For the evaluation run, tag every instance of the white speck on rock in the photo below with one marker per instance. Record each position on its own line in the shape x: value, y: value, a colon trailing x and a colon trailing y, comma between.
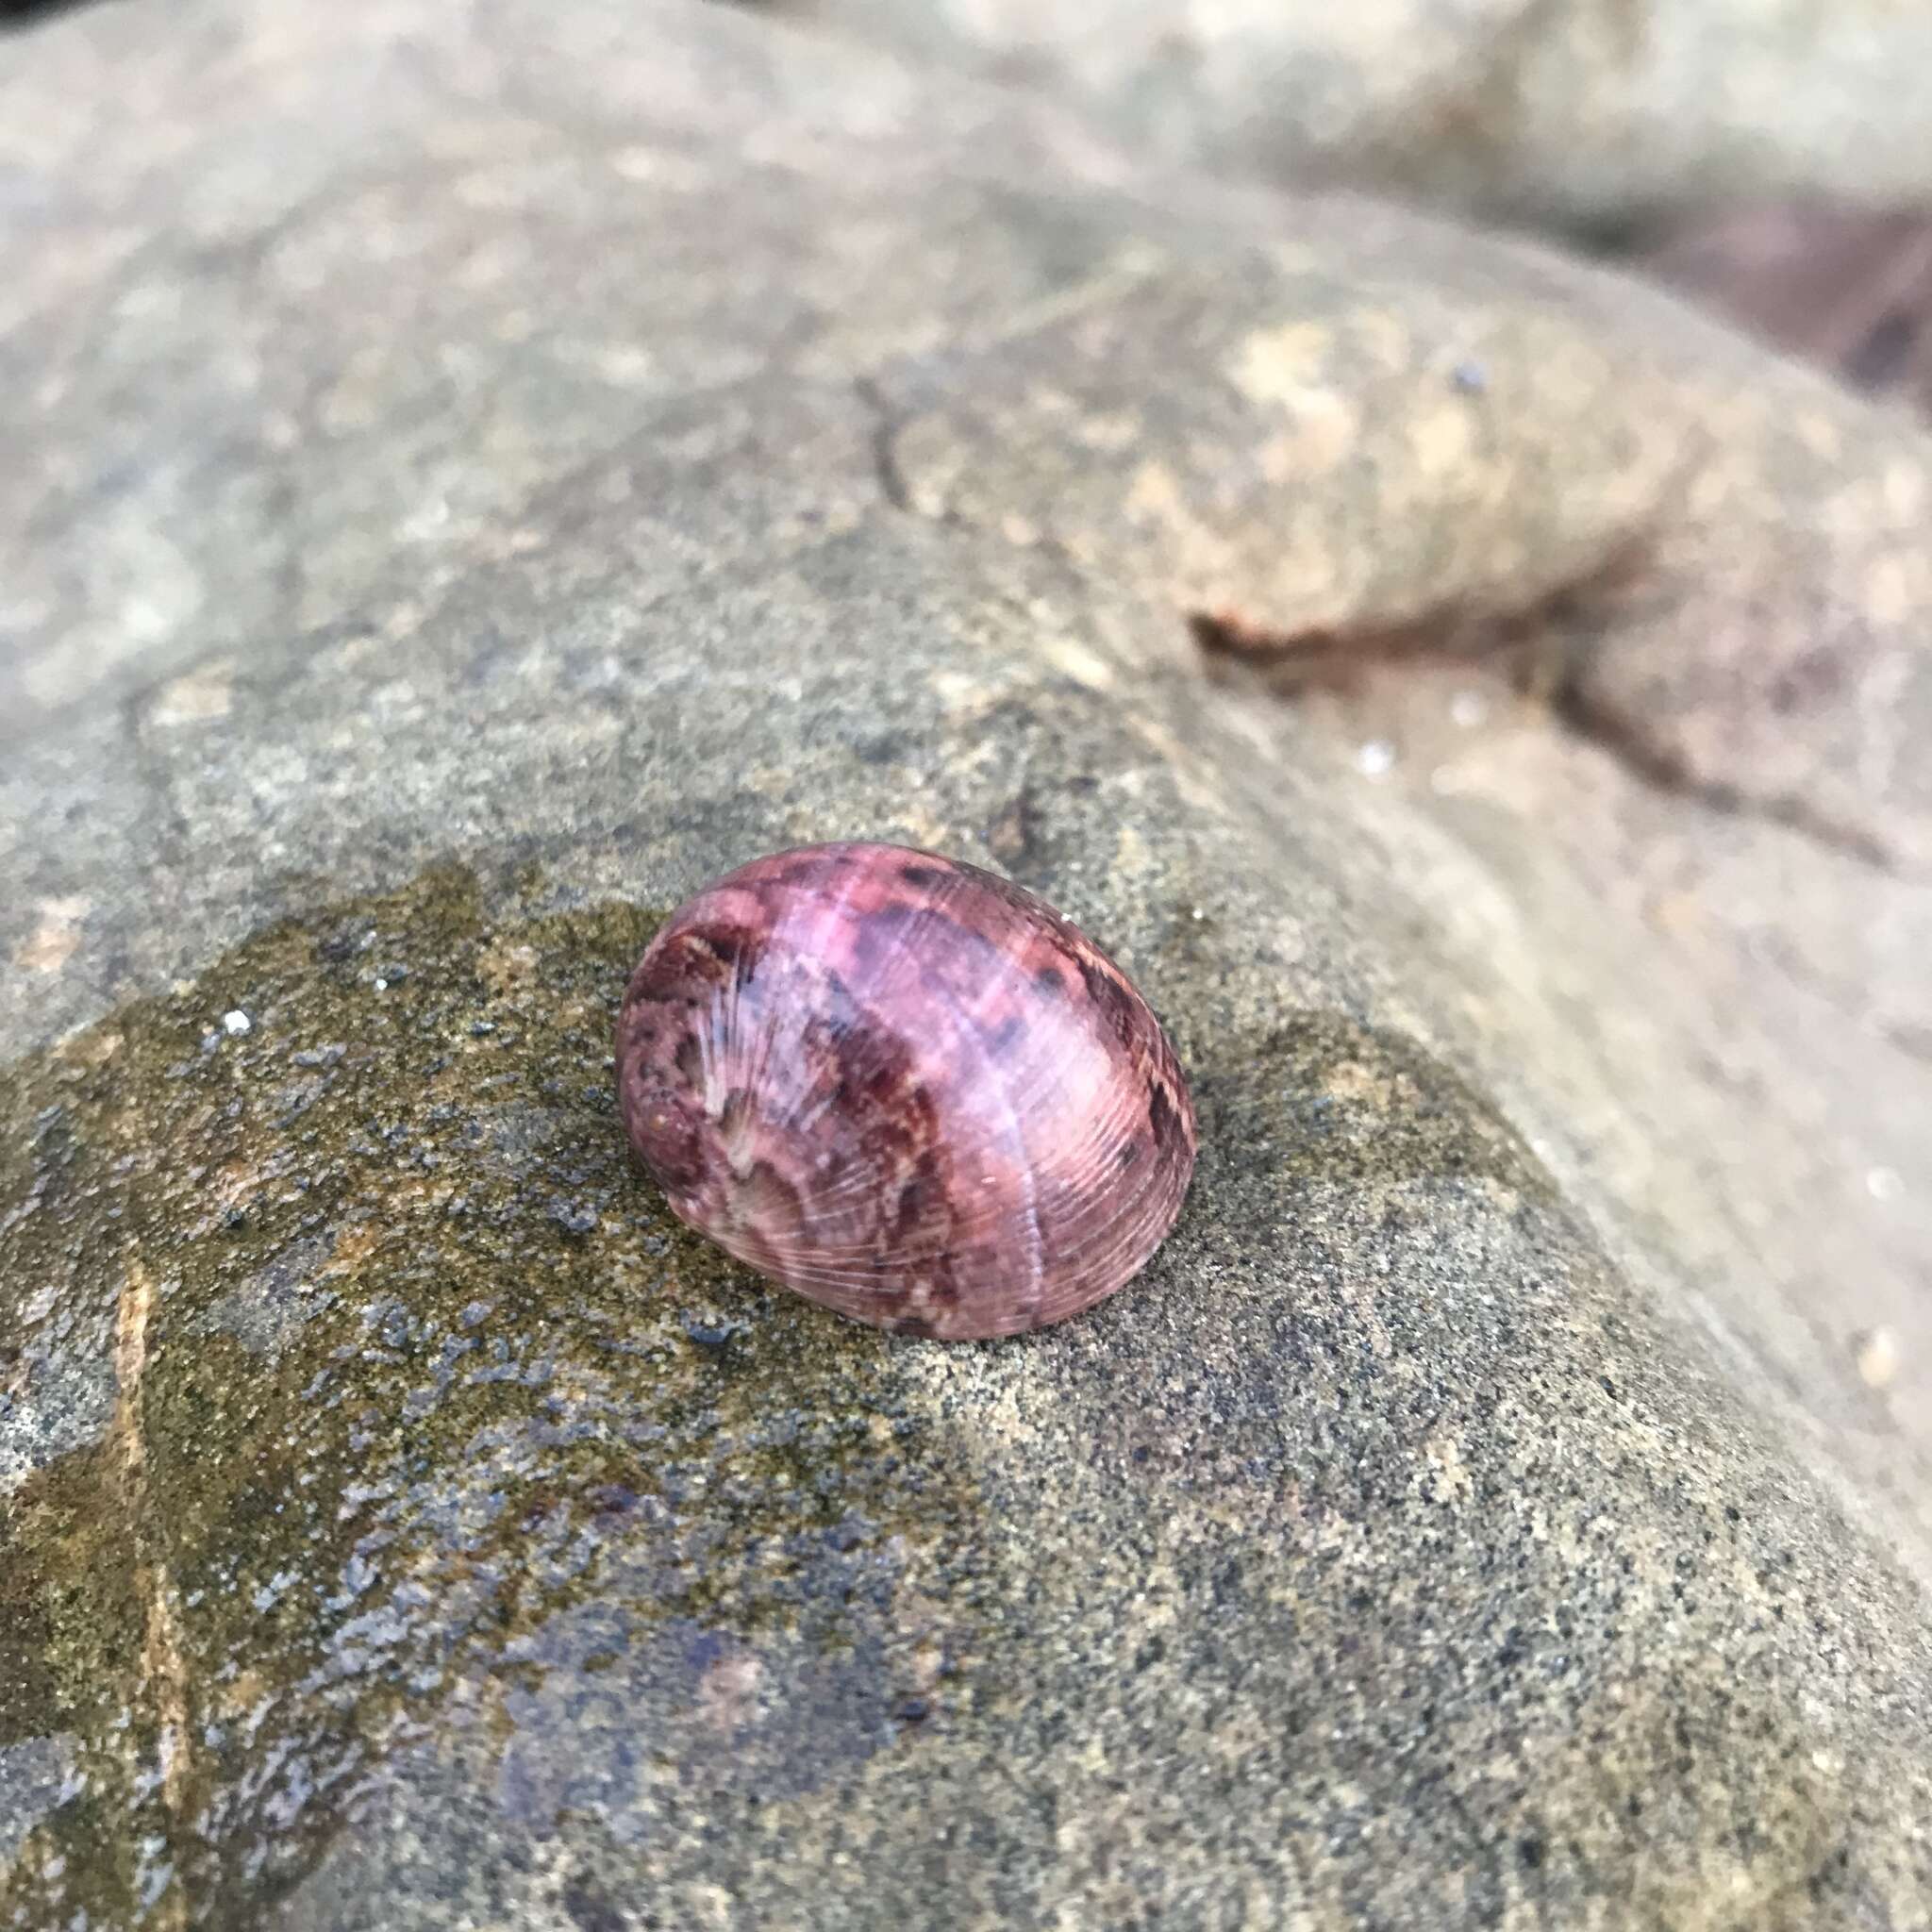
x: 237, y: 1022
x: 1877, y: 1358
x: 426, y: 520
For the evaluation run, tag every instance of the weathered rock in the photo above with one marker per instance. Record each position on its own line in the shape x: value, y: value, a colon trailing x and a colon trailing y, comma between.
x: 1590, y: 113
x: 1848, y: 288
x: 1496, y: 1504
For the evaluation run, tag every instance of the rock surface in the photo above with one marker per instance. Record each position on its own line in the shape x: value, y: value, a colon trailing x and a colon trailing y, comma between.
x: 1848, y: 288
x: 498, y: 468
x: 1587, y: 113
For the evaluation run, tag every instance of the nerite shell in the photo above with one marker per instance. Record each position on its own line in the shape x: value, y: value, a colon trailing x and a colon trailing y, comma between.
x: 905, y: 1088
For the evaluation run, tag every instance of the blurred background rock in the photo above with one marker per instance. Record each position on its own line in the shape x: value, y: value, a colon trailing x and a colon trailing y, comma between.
x: 1771, y: 157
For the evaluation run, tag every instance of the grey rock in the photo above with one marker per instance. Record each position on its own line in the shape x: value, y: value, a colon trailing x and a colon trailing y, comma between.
x: 61, y: 1401
x: 1592, y: 114
x: 1493, y: 1507
x: 270, y: 1309
x: 36, y: 1778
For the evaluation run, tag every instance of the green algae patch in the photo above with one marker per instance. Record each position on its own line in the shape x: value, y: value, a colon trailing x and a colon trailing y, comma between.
x: 385, y: 1359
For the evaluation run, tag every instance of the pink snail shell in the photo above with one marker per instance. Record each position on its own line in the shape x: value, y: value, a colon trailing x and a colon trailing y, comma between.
x: 906, y: 1088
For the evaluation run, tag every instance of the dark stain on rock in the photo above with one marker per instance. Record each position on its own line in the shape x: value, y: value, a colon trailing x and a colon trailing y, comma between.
x: 590, y: 1908
x: 1015, y: 837
x: 279, y: 1559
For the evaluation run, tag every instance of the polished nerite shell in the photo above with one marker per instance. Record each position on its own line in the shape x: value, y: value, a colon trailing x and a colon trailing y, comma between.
x: 905, y: 1088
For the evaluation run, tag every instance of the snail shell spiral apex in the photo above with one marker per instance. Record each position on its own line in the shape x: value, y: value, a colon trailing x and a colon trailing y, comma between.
x: 906, y: 1088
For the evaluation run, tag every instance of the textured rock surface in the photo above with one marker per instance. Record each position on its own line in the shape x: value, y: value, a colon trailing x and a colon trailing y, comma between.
x: 497, y: 469
x: 1591, y: 112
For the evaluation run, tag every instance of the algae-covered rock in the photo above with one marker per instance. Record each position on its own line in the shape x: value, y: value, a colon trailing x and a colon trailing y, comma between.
x: 1493, y: 1507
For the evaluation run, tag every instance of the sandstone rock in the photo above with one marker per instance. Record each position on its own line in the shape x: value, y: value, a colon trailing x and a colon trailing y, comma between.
x: 594, y: 445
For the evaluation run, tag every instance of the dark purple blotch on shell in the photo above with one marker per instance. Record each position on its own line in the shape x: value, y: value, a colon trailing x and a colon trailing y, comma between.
x: 905, y: 1088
